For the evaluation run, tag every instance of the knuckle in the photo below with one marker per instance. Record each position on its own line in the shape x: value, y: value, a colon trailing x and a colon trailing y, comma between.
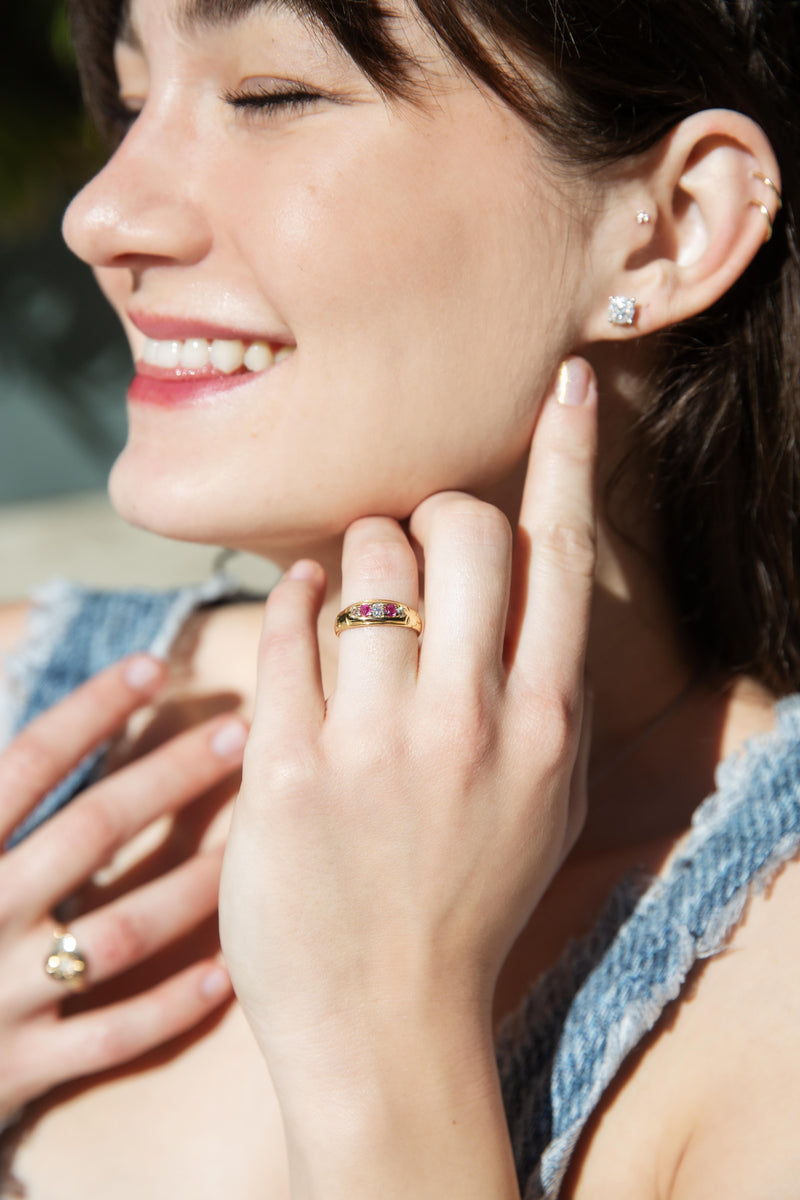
x: 278, y: 644
x: 553, y: 725
x: 94, y: 827
x: 474, y: 521
x: 288, y: 776
x: 376, y: 560
x: 470, y: 725
x: 105, y: 1042
x: 28, y: 760
x: 568, y: 548
x: 120, y: 942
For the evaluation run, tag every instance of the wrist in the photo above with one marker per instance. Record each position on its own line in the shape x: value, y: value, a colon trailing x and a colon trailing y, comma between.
x: 414, y: 1108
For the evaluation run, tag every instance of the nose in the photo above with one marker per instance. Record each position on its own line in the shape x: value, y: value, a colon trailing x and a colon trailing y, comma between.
x: 139, y: 210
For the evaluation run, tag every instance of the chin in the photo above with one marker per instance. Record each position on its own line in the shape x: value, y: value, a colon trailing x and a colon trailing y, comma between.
x: 218, y: 508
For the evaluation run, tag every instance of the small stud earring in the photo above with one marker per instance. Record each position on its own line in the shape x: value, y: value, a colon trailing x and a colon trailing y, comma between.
x: 643, y: 218
x: 621, y: 310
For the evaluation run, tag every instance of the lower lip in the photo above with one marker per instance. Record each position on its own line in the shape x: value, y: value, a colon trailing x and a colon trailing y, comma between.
x: 178, y: 391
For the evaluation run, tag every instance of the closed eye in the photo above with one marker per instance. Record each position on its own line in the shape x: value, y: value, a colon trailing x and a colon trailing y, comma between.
x: 271, y: 100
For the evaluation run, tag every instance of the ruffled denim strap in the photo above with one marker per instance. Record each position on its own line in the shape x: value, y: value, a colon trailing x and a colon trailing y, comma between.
x: 559, y: 1053
x: 74, y: 632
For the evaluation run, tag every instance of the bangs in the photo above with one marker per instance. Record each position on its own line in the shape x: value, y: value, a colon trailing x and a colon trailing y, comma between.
x: 363, y: 30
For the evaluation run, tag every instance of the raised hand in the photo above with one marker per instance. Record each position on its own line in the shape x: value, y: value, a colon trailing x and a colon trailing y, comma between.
x: 40, y: 1047
x: 389, y: 845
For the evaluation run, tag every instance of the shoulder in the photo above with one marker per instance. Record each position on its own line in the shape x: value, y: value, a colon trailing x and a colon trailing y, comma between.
x: 741, y: 1033
x: 13, y: 622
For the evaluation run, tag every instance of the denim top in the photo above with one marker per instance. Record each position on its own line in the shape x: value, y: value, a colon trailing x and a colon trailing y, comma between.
x: 561, y: 1049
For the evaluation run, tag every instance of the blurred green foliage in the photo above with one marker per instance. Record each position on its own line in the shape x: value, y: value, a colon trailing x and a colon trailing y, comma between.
x: 48, y: 146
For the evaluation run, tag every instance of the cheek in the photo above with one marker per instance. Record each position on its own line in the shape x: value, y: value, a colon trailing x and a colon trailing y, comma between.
x: 418, y: 290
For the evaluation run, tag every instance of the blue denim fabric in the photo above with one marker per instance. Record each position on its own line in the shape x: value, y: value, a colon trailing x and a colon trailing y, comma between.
x: 561, y: 1050
x: 75, y: 632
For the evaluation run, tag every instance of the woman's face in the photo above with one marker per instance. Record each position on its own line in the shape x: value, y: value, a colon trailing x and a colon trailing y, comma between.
x: 415, y: 265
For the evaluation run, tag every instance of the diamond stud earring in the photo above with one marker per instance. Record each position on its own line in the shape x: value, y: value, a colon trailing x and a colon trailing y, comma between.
x: 643, y: 218
x: 621, y: 310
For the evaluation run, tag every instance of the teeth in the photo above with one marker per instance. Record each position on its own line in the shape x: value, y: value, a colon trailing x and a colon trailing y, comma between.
x: 194, y: 353
x: 227, y: 356
x: 258, y: 357
x: 224, y: 354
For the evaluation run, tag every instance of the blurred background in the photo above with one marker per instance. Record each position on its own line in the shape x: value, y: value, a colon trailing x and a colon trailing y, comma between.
x: 64, y: 364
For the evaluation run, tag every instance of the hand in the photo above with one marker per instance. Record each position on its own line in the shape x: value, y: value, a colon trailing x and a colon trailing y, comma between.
x: 388, y: 847
x: 39, y: 1047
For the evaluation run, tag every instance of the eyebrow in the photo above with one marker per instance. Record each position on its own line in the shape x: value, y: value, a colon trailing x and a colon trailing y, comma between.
x: 198, y: 14
x: 214, y: 13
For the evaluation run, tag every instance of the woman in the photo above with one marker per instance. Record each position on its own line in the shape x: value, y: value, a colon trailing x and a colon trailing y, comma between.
x: 363, y: 257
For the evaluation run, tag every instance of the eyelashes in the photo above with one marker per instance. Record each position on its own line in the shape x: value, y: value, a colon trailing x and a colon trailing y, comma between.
x: 289, y: 99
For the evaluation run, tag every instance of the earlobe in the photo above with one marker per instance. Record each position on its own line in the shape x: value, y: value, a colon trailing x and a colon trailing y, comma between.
x: 680, y: 234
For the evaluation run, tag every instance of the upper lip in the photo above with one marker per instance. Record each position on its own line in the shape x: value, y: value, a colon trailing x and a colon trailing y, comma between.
x: 166, y: 328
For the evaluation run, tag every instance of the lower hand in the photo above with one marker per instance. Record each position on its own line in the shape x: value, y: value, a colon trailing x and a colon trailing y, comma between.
x: 40, y: 1047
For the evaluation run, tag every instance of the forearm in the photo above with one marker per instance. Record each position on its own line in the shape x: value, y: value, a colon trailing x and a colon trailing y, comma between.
x: 420, y: 1116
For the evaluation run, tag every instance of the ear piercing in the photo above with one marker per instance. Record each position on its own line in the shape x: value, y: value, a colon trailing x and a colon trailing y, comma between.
x: 643, y: 218
x: 761, y: 206
x: 621, y: 310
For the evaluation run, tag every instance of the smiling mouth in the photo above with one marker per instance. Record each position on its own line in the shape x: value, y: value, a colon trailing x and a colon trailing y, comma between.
x: 198, y: 356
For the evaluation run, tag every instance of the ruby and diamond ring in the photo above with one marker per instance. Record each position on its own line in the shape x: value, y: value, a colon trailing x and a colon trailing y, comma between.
x: 378, y: 612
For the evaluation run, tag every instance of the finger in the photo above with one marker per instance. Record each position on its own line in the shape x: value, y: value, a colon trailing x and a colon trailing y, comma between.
x: 289, y: 696
x: 120, y: 935
x: 52, y: 744
x: 108, y: 1037
x: 555, y: 553
x: 377, y: 564
x: 61, y: 855
x: 467, y: 548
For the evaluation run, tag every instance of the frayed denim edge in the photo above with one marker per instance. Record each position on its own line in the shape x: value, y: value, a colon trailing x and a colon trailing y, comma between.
x: 640, y: 1019
x: 53, y: 607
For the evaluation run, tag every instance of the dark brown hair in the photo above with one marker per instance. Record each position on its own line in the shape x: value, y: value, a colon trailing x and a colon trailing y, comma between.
x: 721, y: 431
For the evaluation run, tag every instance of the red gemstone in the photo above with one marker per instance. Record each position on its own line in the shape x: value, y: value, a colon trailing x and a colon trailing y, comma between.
x: 365, y: 610
x: 390, y: 610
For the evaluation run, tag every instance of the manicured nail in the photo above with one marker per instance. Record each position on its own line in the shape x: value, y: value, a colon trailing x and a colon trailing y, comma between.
x: 305, y: 570
x: 215, y: 984
x: 142, y: 672
x: 229, y: 740
x: 572, y: 388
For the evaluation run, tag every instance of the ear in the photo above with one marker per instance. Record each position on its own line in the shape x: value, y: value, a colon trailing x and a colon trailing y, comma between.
x: 704, y: 224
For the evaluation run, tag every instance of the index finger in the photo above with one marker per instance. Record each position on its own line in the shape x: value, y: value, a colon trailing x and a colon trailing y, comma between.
x: 555, y: 544
x: 57, y: 740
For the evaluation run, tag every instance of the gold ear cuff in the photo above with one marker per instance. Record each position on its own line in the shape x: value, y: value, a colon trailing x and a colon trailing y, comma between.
x: 766, y: 214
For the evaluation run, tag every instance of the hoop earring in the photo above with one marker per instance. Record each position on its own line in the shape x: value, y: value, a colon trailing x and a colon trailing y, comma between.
x: 762, y: 208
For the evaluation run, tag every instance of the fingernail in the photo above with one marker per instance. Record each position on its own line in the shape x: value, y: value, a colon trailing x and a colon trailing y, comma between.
x: 572, y: 388
x: 142, y: 672
x: 305, y: 570
x: 229, y: 739
x: 215, y: 984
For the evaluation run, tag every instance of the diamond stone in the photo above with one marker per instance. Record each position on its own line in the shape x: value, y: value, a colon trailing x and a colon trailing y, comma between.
x: 378, y: 610
x: 621, y: 310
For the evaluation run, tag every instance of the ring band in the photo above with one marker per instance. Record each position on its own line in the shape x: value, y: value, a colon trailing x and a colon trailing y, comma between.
x: 378, y: 612
x: 65, y: 963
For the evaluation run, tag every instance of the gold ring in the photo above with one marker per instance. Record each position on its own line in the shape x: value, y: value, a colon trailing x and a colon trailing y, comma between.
x: 765, y: 214
x: 65, y: 963
x: 378, y: 612
x: 765, y: 179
